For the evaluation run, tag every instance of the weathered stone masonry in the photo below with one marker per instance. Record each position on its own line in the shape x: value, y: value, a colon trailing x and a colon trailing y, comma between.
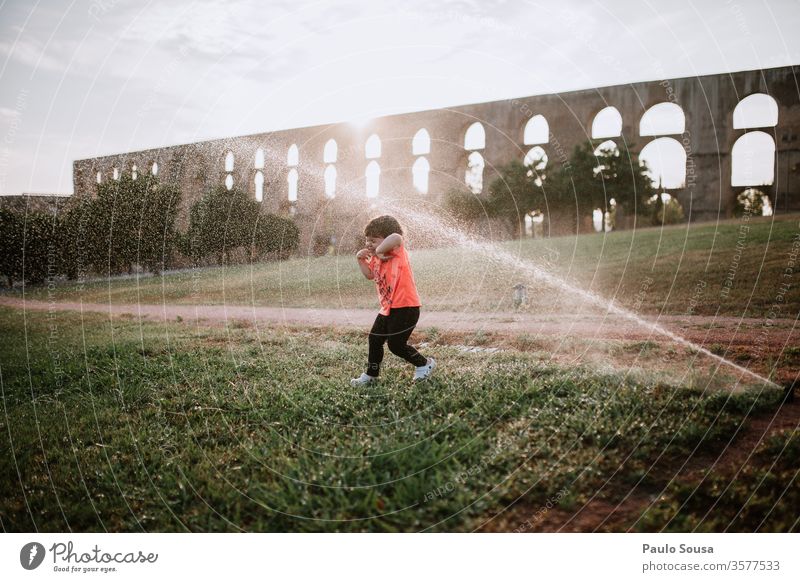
x: 708, y: 103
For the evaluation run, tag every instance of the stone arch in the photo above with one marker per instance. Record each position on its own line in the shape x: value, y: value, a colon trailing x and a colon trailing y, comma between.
x: 666, y: 162
x: 330, y: 181
x: 229, y: 159
x: 537, y: 131
x: 292, y: 180
x: 474, y: 174
x: 607, y: 123
x: 99, y: 177
x: 475, y: 137
x: 664, y: 118
x: 229, y: 182
x: 605, y: 150
x: 373, y: 179
x: 536, y: 162
x: 754, y: 201
x: 259, y: 184
x: 753, y: 160
x: 372, y: 147
x: 258, y: 162
x: 421, y: 173
x: 421, y: 144
x: 756, y: 110
x: 608, y: 147
x: 331, y: 152
x: 154, y: 169
x: 293, y: 156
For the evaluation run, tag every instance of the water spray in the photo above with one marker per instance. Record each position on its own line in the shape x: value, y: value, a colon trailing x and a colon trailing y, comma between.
x: 492, y: 251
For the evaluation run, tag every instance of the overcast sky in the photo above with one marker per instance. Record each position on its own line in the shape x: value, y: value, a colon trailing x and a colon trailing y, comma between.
x: 87, y: 78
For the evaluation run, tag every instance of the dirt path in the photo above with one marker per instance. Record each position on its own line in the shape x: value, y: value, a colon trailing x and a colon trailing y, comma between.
x: 754, y: 342
x: 704, y: 330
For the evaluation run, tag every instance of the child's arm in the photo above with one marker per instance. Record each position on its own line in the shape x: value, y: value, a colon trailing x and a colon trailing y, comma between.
x: 390, y: 243
x: 363, y: 262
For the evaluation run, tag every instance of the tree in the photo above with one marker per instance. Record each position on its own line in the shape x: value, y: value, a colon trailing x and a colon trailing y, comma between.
x: 157, y: 232
x: 563, y: 193
x: 519, y: 191
x: 224, y: 221
x: 221, y: 221
x: 589, y: 181
x: 132, y: 222
x: 30, y: 247
x: 464, y: 205
x: 664, y: 209
x: 73, y: 230
x: 512, y: 195
x: 11, y: 237
x: 275, y: 236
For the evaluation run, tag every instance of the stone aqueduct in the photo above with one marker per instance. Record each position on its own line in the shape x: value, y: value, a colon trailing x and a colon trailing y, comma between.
x: 279, y: 165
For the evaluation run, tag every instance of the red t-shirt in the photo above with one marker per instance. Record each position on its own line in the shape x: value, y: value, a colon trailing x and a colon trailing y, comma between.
x: 394, y: 280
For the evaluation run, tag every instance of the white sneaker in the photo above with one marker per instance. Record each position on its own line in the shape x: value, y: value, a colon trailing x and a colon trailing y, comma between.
x: 363, y: 379
x: 424, y: 372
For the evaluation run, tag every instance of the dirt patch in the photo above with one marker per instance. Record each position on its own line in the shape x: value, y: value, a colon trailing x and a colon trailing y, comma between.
x: 723, y: 333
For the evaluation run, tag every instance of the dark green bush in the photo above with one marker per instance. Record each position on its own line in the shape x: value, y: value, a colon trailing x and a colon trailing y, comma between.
x: 30, y: 246
x: 131, y: 222
x: 275, y: 236
x: 224, y: 223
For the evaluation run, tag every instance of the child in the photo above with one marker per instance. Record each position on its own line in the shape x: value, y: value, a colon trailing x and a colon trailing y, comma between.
x: 385, y: 261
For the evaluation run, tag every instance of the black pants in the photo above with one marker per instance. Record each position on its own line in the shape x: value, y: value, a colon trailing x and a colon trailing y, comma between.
x: 394, y: 329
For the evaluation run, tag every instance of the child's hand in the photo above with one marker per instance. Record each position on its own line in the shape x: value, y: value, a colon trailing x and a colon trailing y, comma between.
x: 364, y: 254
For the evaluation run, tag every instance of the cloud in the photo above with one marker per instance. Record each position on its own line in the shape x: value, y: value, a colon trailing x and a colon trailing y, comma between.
x: 28, y: 51
x: 143, y: 74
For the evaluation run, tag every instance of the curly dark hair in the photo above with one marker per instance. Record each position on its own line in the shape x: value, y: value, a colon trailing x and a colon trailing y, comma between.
x: 382, y: 226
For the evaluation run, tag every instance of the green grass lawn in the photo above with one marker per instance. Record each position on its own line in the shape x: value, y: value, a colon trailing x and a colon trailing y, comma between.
x: 122, y: 426
x: 753, y: 499
x: 651, y: 270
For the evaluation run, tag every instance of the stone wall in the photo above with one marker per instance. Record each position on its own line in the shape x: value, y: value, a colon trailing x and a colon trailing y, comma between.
x: 708, y: 103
